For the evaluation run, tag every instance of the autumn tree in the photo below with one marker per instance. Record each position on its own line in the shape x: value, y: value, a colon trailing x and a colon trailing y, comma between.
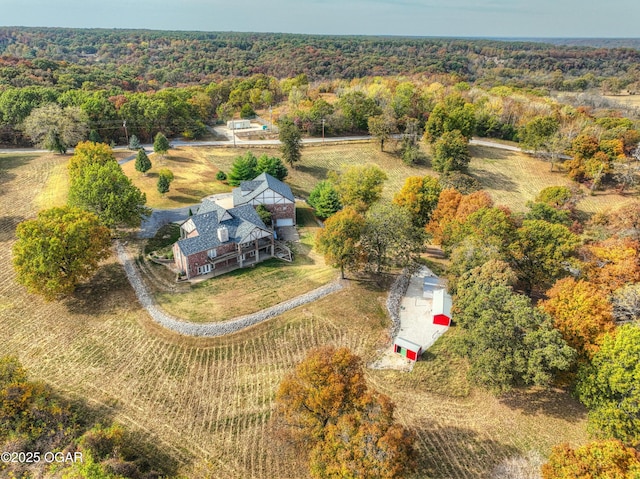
x: 610, y: 387
x: 381, y: 127
x: 581, y: 311
x: 365, y: 443
x: 143, y: 163
x: 291, y: 142
x: 537, y: 134
x: 389, y: 237
x: 329, y: 383
x: 359, y: 186
x: 508, y: 342
x: 161, y: 144
x: 542, y: 211
x: 339, y: 240
x: 596, y: 460
x: 541, y: 252
x: 59, y: 249
x: 451, y: 152
x: 453, y: 113
x: 444, y: 212
x: 613, y: 262
x: 419, y: 195
x: 324, y: 199
x: 106, y: 191
x: 55, y: 128
x: 326, y: 408
x: 88, y: 153
x: 555, y: 196
x: 452, y: 211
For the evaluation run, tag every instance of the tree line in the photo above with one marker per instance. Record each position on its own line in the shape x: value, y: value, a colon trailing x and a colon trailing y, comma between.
x: 135, y: 59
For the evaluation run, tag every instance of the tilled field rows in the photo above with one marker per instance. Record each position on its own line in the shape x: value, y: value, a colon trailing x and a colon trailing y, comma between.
x: 202, y: 403
x: 206, y: 403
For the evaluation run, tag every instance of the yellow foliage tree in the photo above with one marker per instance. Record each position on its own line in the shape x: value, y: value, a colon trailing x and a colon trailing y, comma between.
x: 582, y: 312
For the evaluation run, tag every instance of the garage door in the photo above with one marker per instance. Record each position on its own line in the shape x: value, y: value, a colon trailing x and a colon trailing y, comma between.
x: 284, y: 222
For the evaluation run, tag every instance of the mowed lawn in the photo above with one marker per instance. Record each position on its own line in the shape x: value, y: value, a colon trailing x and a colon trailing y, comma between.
x: 259, y: 287
x: 206, y: 403
x: 193, y: 179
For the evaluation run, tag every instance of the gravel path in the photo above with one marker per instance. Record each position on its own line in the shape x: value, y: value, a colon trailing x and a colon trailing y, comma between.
x: 212, y: 329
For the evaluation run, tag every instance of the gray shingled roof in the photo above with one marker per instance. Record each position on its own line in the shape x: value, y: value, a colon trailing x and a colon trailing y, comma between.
x: 243, y: 220
x: 258, y: 185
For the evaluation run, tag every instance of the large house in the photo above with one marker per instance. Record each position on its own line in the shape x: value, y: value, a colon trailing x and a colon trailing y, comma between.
x: 275, y: 195
x: 219, y: 238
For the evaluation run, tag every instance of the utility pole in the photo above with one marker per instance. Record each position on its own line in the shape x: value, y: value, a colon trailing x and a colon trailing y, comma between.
x: 323, y: 130
x: 126, y: 134
x: 270, y: 118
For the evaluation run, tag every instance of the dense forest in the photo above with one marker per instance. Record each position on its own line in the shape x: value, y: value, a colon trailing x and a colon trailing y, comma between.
x: 137, y: 60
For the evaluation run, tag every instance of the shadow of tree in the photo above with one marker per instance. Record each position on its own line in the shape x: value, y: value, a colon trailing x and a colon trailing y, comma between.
x: 451, y: 451
x: 316, y: 171
x: 8, y: 227
x: 187, y: 200
x: 5, y: 177
x: 493, y: 180
x: 106, y: 291
x: 547, y: 402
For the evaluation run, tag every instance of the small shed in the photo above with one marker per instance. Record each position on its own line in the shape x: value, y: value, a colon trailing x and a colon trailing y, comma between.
x: 441, y: 307
x: 407, y: 348
x: 238, y: 124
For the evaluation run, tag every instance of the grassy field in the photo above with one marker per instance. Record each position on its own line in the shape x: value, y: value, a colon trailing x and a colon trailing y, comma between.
x: 512, y: 179
x: 262, y: 286
x: 206, y: 402
x: 631, y: 100
x: 193, y: 179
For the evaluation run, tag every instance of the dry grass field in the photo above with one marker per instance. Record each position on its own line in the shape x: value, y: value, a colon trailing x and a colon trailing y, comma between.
x: 512, y: 179
x: 205, y: 403
x: 630, y: 100
x: 193, y: 179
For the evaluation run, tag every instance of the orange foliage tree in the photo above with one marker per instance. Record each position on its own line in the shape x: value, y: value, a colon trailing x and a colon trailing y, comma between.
x: 582, y: 312
x: 325, y: 408
x: 452, y: 210
x: 597, y: 460
x: 613, y: 263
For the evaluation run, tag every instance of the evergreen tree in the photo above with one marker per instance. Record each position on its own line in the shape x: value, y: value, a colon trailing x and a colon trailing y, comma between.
x: 134, y: 143
x: 325, y: 199
x: 163, y: 184
x: 161, y: 144
x: 272, y: 166
x: 143, y: 163
x: 291, y: 139
x: 243, y: 169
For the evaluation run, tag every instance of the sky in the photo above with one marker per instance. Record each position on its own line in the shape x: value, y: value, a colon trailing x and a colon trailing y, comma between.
x: 456, y: 18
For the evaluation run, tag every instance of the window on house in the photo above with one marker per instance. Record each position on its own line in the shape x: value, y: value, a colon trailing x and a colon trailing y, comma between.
x: 212, y: 253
